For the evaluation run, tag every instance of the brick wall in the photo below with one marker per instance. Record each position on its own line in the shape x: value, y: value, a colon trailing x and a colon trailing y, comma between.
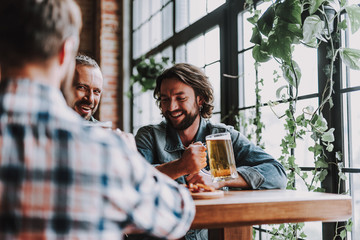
x: 101, y: 38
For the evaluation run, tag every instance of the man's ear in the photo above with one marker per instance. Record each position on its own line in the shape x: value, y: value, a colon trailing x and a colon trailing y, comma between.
x: 200, y: 100
x: 67, y: 50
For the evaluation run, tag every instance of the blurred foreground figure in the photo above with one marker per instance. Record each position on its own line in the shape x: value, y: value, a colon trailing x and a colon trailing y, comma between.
x: 58, y: 178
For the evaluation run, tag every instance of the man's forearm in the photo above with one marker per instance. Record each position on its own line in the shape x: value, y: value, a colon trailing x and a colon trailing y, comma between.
x: 173, y: 169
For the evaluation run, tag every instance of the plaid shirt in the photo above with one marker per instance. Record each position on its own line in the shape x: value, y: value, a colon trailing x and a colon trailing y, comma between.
x: 62, y: 180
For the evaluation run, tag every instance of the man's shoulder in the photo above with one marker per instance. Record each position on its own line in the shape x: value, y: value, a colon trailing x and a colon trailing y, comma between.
x: 152, y: 128
x: 218, y: 126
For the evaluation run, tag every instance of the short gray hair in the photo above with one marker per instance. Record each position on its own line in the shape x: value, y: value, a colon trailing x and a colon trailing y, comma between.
x: 84, y: 60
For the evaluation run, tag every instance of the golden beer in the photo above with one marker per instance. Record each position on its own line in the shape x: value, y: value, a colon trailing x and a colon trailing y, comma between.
x: 221, y: 157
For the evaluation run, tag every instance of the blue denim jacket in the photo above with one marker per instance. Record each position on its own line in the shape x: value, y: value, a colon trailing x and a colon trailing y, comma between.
x: 161, y: 144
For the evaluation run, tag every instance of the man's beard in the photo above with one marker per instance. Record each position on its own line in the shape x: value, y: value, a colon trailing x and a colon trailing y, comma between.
x: 186, y: 122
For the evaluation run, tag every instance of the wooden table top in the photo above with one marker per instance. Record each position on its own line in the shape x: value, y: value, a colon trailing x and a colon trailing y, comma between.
x: 240, y: 208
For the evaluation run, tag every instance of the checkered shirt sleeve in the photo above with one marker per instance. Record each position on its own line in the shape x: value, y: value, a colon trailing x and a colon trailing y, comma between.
x: 62, y: 180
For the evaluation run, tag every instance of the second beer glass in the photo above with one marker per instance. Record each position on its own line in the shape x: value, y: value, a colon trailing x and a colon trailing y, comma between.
x: 221, y: 156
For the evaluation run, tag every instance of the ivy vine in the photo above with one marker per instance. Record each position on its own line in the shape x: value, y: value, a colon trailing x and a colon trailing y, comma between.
x: 283, y: 25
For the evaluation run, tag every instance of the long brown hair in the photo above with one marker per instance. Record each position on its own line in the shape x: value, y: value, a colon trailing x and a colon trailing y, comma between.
x: 195, y: 78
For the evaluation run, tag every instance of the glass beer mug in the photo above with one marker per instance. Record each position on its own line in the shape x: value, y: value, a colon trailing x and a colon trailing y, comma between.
x: 221, y: 157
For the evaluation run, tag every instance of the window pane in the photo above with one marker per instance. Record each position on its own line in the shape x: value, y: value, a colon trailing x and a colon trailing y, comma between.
x: 136, y: 44
x: 180, y: 54
x: 155, y: 30
x: 213, y: 72
x: 136, y: 14
x: 144, y: 38
x: 212, y: 45
x: 144, y: 5
x: 197, y: 9
x: 195, y: 51
x: 214, y: 4
x: 354, y: 119
x: 167, y: 21
x: 167, y: 52
x: 354, y: 75
x: 216, y: 118
x: 306, y: 58
x: 145, y: 109
x: 155, y: 6
x: 181, y: 15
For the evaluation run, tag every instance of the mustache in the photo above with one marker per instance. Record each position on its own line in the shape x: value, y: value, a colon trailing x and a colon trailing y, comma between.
x: 85, y: 102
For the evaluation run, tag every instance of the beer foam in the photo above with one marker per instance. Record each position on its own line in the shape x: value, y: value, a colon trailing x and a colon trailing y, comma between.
x: 219, y: 137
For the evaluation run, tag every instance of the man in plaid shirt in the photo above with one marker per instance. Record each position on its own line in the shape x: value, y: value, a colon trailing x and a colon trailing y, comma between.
x: 58, y: 178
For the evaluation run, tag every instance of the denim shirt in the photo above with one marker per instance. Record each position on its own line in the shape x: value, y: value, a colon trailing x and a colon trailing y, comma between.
x: 161, y: 144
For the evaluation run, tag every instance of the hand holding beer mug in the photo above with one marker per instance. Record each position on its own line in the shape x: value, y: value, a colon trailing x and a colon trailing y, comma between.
x: 221, y: 157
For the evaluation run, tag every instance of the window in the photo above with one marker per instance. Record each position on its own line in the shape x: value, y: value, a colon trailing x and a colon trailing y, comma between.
x: 214, y: 35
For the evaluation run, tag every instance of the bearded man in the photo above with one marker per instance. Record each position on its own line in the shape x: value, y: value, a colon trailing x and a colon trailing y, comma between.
x: 87, y: 86
x: 185, y: 97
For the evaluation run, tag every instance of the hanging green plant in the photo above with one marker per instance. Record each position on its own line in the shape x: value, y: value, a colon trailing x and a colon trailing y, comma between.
x: 147, y: 71
x: 275, y: 33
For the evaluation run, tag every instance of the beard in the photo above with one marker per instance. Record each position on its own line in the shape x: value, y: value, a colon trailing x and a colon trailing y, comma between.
x: 186, y: 122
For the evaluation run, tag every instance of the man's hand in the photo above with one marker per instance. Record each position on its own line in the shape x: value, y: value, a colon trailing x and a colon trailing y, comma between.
x: 203, y: 177
x: 194, y: 158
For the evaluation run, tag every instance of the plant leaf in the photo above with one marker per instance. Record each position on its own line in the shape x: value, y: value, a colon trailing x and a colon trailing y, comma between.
x: 265, y: 22
x: 259, y: 54
x: 278, y: 91
x: 289, y: 11
x: 343, y: 234
x: 293, y: 78
x: 280, y: 47
x: 353, y: 12
x: 312, y: 29
x: 351, y: 57
x: 328, y: 136
x: 256, y: 36
x: 314, y: 5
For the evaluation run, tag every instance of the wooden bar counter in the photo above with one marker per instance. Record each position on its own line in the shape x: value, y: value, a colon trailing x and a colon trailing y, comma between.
x: 232, y: 216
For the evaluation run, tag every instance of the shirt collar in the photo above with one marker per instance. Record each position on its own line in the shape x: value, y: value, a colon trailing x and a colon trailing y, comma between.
x: 173, y: 141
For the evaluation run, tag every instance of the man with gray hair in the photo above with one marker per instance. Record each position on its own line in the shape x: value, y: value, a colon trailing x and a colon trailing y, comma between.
x: 87, y: 86
x: 60, y: 179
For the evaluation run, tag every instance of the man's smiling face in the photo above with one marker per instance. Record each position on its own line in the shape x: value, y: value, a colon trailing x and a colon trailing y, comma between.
x: 178, y: 103
x: 86, y: 91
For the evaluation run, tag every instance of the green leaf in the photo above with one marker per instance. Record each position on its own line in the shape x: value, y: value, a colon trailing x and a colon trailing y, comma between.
x: 342, y: 25
x: 280, y: 46
x: 256, y: 36
x: 291, y: 30
x: 259, y: 54
x: 330, y: 147
x: 342, y: 176
x: 338, y: 155
x: 322, y: 175
x: 353, y: 12
x: 328, y: 136
x: 314, y: 5
x: 312, y: 29
x: 278, y: 91
x: 265, y: 22
x: 293, y: 78
x: 321, y: 164
x: 289, y: 11
x: 351, y: 57
x: 254, y: 18
x: 343, y: 234
x: 349, y: 225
